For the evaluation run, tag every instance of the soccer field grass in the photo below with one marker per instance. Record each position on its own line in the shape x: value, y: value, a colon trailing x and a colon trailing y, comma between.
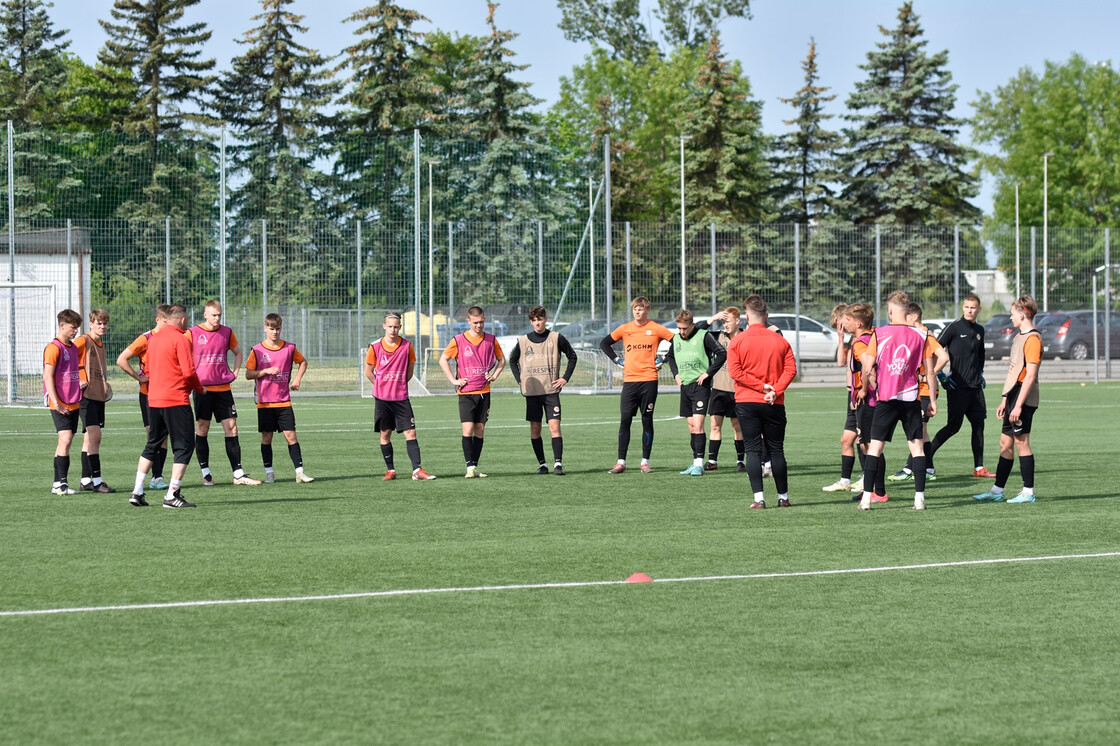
x: 991, y: 652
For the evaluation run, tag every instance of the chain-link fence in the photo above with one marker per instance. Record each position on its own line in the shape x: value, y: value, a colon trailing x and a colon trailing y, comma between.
x: 83, y: 231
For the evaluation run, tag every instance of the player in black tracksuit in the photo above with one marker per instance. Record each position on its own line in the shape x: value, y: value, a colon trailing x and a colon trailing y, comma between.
x: 964, y: 341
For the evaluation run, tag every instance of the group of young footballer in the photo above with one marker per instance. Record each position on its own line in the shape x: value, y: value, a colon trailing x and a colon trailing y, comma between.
x: 723, y: 371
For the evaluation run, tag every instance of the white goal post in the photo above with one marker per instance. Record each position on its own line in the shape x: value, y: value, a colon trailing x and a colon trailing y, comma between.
x: 27, y: 325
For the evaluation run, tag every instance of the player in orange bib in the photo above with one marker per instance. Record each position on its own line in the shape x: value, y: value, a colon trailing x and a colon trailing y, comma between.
x: 639, y: 377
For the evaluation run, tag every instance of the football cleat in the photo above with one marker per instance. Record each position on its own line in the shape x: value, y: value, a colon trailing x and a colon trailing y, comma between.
x: 270, y: 477
x: 558, y: 470
x: 857, y: 486
x: 158, y: 483
x: 389, y: 476
x: 919, y: 503
x: 877, y: 498
x: 711, y: 466
x: 783, y: 502
x: 840, y: 485
x: 542, y: 469
x: 246, y: 480
x: 901, y: 476
x: 420, y: 475
x: 137, y: 501
x: 208, y: 480
x: 983, y: 473
x: 758, y: 505
x: 302, y: 478
x: 617, y: 469
x: 740, y: 466
x: 647, y: 469
x: 1022, y: 498
x: 63, y: 489
x: 177, y: 501
x: 989, y: 496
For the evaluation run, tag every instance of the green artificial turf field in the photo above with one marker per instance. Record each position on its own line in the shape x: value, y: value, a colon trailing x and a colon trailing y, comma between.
x: 993, y: 652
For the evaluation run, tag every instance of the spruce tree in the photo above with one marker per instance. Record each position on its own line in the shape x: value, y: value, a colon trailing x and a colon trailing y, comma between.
x: 805, y: 162
x: 33, y: 67
x: 273, y: 101
x: 902, y: 161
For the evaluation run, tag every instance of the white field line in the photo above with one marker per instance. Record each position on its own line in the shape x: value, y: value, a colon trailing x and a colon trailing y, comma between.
x: 540, y: 586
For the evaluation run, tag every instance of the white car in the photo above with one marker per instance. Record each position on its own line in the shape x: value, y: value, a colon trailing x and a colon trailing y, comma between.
x: 817, y: 341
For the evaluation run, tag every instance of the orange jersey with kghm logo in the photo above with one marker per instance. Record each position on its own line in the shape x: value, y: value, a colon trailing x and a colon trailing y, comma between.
x: 640, y: 349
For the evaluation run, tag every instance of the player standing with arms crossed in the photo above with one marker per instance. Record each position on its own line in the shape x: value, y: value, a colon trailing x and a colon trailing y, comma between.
x: 541, y: 381
x: 694, y: 357
x: 95, y: 392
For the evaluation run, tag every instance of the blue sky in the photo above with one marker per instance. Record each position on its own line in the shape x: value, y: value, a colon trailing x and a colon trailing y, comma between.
x: 988, y: 40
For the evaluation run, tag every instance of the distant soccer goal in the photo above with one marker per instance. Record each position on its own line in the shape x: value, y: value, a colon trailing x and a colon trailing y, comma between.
x: 27, y: 325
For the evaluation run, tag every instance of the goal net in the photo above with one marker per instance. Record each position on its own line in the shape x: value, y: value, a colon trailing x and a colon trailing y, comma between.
x: 27, y: 325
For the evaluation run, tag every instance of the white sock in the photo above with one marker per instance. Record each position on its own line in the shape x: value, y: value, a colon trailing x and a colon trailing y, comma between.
x: 1028, y: 490
x: 783, y: 495
x: 622, y: 462
x: 270, y: 470
x: 138, y: 485
x: 697, y: 462
x: 87, y: 480
x: 173, y: 487
x: 645, y: 462
x: 845, y: 481
x: 919, y: 496
x: 206, y: 471
x: 996, y: 490
x: 239, y: 473
x: 760, y: 497
x: 299, y: 470
x: 96, y: 481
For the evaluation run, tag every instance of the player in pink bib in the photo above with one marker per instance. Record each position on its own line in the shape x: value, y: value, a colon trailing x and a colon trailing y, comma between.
x: 390, y: 362
x: 62, y: 393
x: 270, y: 364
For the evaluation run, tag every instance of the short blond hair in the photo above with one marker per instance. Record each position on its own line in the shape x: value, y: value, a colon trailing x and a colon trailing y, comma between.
x: 640, y: 301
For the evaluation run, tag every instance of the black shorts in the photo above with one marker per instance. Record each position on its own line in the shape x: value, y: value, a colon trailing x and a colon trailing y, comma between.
x: 393, y: 415
x: 850, y: 422
x: 968, y: 403
x: 637, y: 396
x: 865, y: 413
x: 216, y: 404
x: 694, y: 399
x: 474, y: 407
x: 721, y: 403
x: 144, y: 408
x: 65, y: 420
x: 548, y: 404
x: 176, y: 423
x: 275, y: 420
x: 893, y: 411
x: 1026, y: 417
x: 924, y: 400
x: 93, y: 413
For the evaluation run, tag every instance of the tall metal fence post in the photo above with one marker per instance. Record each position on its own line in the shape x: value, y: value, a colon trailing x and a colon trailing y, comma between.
x: 11, y: 270
x: 591, y: 240
x: 1096, y: 334
x: 607, y: 237
x: 358, y: 281
x: 713, y: 247
x: 629, y: 297
x: 956, y: 266
x: 797, y: 294
x: 264, y: 268
x: 878, y: 273
x: 167, y: 260
x: 70, y: 264
x: 222, y: 225
x: 540, y: 263
x: 1033, y: 260
x: 450, y: 275
x: 1107, y: 302
x: 416, y: 234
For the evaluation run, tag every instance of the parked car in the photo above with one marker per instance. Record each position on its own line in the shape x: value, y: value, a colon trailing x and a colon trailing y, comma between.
x: 585, y: 334
x: 817, y: 340
x: 998, y: 335
x: 1069, y: 335
x: 936, y: 326
x: 508, y: 341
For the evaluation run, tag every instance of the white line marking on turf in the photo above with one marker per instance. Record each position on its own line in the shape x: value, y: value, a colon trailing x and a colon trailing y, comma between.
x: 538, y: 586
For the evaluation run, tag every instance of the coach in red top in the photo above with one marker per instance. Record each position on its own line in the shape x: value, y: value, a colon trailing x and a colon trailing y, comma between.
x: 762, y: 365
x: 171, y: 378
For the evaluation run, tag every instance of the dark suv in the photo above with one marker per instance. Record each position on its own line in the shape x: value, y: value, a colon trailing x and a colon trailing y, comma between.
x: 1069, y: 335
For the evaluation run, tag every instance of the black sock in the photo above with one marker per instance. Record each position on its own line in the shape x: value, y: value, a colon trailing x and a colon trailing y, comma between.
x: 296, y: 455
x: 871, y: 474
x: 847, y: 463
x: 558, y: 449
x: 697, y: 440
x: 910, y: 462
x: 713, y: 450
x: 1026, y: 467
x: 95, y: 465
x: 927, y: 448
x: 387, y: 454
x: 739, y: 452
x: 881, y: 476
x: 538, y: 449
x: 468, y: 449
x: 233, y: 452
x: 477, y: 451
x: 61, y: 467
x: 158, y: 462
x: 413, y: 448
x: 860, y: 456
x: 266, y: 455
x: 919, y: 473
x: 87, y: 470
x: 1003, y: 471
x: 202, y: 448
